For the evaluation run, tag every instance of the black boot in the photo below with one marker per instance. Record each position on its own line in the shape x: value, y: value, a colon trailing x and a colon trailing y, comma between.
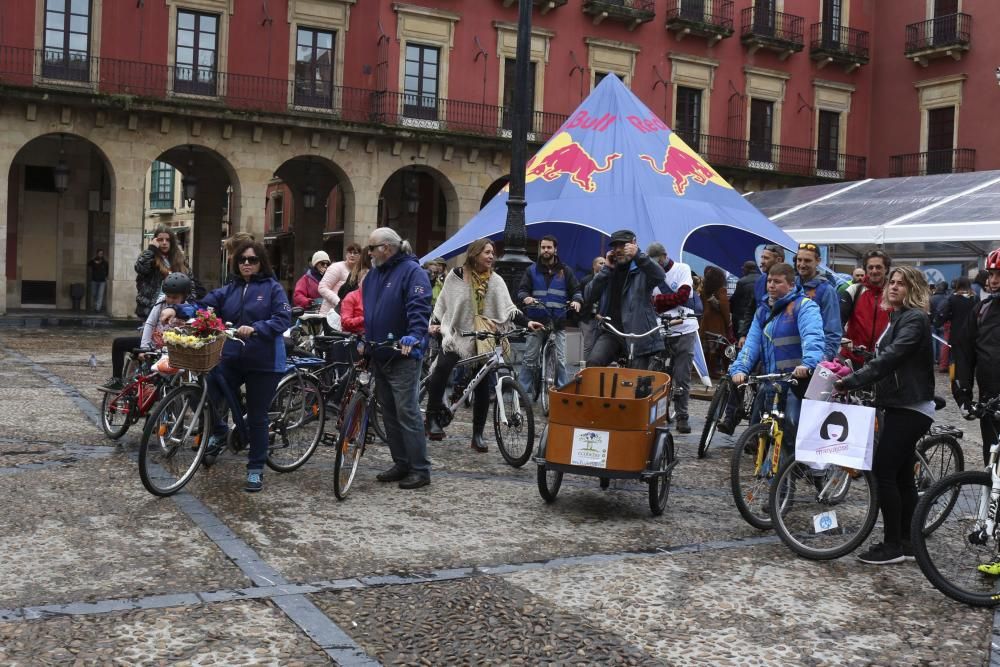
x: 479, y: 413
x: 434, y: 430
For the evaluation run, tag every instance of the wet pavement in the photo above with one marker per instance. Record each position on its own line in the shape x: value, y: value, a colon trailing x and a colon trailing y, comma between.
x: 474, y: 569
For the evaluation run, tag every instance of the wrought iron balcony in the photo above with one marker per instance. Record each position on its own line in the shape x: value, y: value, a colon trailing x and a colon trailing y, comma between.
x: 949, y: 35
x: 630, y: 12
x: 831, y: 43
x: 776, y: 158
x: 775, y: 31
x: 131, y: 81
x: 705, y: 18
x: 542, y: 5
x: 950, y: 161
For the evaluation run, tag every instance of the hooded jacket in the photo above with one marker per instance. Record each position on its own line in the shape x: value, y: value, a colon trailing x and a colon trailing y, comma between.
x: 637, y: 308
x: 262, y: 304
x: 307, y: 289
x: 863, y: 316
x: 980, y: 349
x: 396, y: 298
x: 784, y: 335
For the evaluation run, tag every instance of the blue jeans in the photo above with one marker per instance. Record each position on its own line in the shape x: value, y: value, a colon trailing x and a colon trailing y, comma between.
x: 532, y: 359
x: 97, y: 288
x: 397, y: 382
x: 261, y: 386
x: 681, y: 352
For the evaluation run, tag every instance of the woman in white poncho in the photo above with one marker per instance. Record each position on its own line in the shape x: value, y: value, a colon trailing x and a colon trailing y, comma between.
x: 469, y: 290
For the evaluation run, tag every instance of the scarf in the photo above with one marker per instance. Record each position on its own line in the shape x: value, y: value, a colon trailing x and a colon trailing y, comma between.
x: 480, y: 285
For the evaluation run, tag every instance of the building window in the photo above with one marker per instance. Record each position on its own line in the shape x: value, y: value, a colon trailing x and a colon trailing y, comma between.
x: 277, y: 214
x: 67, y: 40
x: 688, y: 117
x: 314, y: 68
x: 940, y: 140
x: 197, y: 46
x: 946, y: 28
x: 161, y: 188
x: 420, y: 82
x: 832, y: 14
x: 761, y: 130
x: 764, y: 17
x: 509, y: 76
x: 828, y: 140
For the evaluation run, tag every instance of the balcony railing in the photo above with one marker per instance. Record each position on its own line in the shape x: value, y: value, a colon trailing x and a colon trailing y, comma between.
x: 835, y: 43
x: 29, y: 68
x: 949, y: 161
x: 542, y: 5
x: 706, y: 18
x: 631, y: 12
x: 773, y: 30
x: 763, y: 156
x: 951, y: 34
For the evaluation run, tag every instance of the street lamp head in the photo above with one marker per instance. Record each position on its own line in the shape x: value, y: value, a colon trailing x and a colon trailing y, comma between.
x: 997, y: 73
x: 61, y: 176
x: 189, y: 185
x: 308, y: 197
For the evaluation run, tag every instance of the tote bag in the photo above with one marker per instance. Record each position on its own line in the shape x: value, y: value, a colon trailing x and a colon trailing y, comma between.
x: 836, y: 433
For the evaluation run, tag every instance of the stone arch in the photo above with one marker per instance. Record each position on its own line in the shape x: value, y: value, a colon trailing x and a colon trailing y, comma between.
x: 491, y: 191
x: 422, y: 204
x: 64, y: 183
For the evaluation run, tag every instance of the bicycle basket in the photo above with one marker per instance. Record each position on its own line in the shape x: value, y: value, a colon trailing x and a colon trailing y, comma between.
x: 199, y: 359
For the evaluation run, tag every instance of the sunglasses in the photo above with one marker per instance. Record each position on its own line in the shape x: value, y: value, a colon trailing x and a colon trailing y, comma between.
x: 250, y: 259
x: 373, y: 248
x: 809, y: 246
x: 322, y: 263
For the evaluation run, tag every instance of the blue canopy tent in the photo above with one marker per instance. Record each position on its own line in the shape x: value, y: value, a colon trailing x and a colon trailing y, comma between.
x: 613, y: 165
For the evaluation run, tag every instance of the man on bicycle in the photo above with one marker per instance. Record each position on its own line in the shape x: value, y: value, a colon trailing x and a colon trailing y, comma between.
x: 786, y: 335
x: 545, y: 288
x: 671, y: 297
x: 979, y: 354
x: 865, y: 320
x: 623, y: 291
x: 397, y: 303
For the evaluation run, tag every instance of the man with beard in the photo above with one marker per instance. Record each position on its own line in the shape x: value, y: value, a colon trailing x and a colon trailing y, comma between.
x: 861, y: 308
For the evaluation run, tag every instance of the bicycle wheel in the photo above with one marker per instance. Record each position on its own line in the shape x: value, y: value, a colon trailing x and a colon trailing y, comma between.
x: 716, y: 409
x: 174, y: 441
x: 516, y: 438
x: 351, y: 445
x: 949, y: 554
x: 822, y: 514
x: 296, y: 419
x: 116, y: 412
x: 659, y: 486
x: 749, y: 482
x: 937, y: 457
x: 549, y: 482
x: 376, y: 421
x: 550, y: 364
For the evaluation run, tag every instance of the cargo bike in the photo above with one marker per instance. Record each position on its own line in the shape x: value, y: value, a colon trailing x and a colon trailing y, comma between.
x: 610, y: 423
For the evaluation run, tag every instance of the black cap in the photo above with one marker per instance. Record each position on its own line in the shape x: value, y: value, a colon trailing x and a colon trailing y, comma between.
x: 622, y: 236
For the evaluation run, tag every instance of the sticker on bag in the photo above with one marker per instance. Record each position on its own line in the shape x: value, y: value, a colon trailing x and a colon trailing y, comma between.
x: 590, y: 448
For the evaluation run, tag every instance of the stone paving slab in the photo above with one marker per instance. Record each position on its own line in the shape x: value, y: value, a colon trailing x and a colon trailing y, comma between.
x: 478, y: 621
x: 91, y: 531
x: 231, y: 633
x: 764, y: 606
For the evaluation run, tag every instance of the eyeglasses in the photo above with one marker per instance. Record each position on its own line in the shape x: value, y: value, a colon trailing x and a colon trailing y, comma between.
x: 322, y: 263
x: 249, y: 259
x: 373, y: 248
x: 809, y: 246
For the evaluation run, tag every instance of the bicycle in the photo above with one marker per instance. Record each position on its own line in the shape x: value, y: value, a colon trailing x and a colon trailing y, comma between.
x: 142, y: 389
x: 757, y: 454
x: 512, y: 413
x: 954, y: 529
x: 544, y: 376
x: 720, y: 414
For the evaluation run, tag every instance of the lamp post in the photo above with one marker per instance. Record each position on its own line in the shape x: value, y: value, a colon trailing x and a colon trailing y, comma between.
x: 513, y: 263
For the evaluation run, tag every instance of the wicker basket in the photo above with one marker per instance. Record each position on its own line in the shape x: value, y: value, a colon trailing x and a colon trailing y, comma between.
x: 196, y: 359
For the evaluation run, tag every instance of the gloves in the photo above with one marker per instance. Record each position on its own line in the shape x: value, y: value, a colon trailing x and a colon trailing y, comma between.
x: 414, y: 343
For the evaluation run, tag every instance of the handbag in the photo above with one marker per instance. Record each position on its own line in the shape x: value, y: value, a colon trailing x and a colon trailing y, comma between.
x: 837, y: 433
x: 487, y: 345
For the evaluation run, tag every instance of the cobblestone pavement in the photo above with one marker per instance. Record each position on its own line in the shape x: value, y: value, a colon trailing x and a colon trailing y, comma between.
x: 475, y: 569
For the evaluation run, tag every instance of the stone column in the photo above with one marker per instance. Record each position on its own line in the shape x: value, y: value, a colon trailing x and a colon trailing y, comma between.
x: 127, y: 241
x: 247, y: 213
x: 4, y: 184
x: 206, y: 250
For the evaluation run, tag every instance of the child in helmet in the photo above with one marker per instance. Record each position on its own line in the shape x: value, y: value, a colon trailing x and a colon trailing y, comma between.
x: 172, y: 303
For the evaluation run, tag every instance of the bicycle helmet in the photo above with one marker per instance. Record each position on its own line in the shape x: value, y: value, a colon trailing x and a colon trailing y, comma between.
x: 993, y: 260
x: 176, y: 283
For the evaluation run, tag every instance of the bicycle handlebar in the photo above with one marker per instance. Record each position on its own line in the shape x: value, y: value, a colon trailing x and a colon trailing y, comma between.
x: 483, y: 335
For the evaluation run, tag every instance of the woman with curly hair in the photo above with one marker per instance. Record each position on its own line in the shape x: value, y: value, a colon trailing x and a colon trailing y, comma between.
x: 160, y: 259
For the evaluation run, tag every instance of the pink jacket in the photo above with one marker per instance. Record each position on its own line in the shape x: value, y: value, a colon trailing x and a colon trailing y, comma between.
x: 333, y: 279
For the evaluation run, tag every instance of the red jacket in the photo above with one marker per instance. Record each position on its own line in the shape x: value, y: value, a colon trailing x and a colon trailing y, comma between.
x: 306, y: 290
x: 352, y: 313
x: 868, y: 319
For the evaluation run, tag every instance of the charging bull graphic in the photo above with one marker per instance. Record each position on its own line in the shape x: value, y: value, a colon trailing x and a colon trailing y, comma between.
x: 563, y: 156
x: 683, y: 165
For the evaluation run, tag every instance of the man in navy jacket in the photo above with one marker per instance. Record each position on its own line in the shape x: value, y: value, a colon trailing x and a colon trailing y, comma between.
x: 397, y: 302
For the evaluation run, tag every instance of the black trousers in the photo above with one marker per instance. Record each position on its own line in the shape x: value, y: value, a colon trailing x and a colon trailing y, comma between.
x: 437, y: 383
x: 119, y: 348
x: 893, y: 468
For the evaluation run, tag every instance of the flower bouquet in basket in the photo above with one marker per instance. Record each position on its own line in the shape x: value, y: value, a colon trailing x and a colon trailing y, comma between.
x: 197, y: 345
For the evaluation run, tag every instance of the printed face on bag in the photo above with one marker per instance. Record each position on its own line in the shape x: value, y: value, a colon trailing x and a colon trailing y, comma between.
x: 834, y: 427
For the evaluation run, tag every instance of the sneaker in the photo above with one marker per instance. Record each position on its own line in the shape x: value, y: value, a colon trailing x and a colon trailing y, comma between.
x: 216, y: 443
x: 682, y: 425
x: 880, y: 554
x: 255, y: 482
x: 906, y: 547
x: 992, y: 569
x: 113, y: 384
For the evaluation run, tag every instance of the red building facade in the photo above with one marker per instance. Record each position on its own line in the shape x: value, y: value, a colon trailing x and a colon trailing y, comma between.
x: 398, y: 111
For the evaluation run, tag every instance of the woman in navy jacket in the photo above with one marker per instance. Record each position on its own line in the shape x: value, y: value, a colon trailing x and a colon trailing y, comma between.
x: 257, y: 306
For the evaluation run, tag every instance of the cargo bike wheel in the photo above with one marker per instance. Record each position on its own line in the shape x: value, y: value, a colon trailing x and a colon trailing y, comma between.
x: 549, y: 480
x: 659, y: 484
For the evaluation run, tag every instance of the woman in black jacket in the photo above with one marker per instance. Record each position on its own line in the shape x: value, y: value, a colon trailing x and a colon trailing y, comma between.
x: 903, y: 375
x: 163, y: 257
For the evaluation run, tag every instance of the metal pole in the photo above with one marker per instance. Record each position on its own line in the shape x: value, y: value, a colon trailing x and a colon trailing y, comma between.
x: 513, y: 263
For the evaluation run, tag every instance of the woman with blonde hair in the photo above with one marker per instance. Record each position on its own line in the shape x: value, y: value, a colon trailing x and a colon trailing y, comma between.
x: 470, y: 290
x: 163, y: 257
x: 903, y: 374
x: 337, y: 276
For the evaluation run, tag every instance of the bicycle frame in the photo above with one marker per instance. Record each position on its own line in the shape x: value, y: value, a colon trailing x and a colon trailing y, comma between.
x: 494, y: 362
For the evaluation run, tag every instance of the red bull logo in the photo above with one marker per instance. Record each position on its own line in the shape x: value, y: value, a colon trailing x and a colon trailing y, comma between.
x: 683, y: 166
x: 562, y: 156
